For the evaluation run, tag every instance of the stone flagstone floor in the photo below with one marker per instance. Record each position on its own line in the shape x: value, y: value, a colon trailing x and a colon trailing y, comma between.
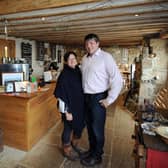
x: 47, y: 153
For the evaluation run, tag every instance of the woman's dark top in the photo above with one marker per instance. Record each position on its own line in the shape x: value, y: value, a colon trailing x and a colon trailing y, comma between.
x: 69, y: 89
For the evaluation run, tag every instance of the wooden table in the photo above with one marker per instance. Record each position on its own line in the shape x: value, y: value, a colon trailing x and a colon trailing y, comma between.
x: 25, y: 118
x: 146, y: 142
x: 155, y: 143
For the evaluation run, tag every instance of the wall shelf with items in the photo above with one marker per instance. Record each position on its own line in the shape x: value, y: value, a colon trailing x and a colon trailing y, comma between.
x: 126, y: 78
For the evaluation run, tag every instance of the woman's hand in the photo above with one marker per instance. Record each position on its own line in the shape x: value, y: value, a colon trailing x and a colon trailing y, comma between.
x: 69, y: 116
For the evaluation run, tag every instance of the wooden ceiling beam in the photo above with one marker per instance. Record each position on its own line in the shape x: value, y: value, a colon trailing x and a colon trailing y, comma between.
x: 118, y: 29
x: 80, y: 36
x: 103, y: 43
x: 48, y: 24
x: 67, y: 22
x: 87, y: 15
x: 78, y: 33
x: 14, y: 6
x: 115, y: 7
x: 164, y: 34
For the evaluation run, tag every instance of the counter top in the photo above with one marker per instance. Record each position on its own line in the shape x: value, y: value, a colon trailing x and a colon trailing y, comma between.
x: 28, y: 95
x: 26, y: 117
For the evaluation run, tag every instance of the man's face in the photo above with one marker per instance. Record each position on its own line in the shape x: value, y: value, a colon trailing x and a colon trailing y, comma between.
x: 91, y: 46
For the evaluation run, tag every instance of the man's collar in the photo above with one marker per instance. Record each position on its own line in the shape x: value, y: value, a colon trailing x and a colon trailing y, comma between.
x: 95, y: 53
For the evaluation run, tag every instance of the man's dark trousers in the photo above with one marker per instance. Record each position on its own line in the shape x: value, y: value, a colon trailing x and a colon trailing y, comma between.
x: 95, y: 121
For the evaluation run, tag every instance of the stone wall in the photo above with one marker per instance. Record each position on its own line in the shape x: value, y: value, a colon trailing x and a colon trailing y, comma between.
x: 154, y: 70
x: 120, y: 54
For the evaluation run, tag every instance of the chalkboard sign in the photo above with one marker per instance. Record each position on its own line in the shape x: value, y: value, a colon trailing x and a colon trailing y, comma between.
x: 26, y: 49
x: 40, y: 51
x: 53, y: 51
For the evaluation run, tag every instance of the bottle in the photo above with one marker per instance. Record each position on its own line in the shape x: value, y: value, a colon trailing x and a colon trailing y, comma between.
x: 34, y: 82
x: 3, y: 60
x: 28, y: 87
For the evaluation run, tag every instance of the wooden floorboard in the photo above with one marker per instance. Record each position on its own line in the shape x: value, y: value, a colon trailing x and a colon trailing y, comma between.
x: 117, y: 151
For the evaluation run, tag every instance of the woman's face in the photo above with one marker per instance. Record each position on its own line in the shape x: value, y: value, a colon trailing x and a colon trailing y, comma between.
x: 72, y: 62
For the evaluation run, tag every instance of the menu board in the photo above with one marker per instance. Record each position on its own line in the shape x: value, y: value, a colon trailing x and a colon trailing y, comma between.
x: 27, y: 52
x: 40, y: 51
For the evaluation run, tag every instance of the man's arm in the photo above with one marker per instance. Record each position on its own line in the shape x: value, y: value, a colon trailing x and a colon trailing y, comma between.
x: 115, y: 81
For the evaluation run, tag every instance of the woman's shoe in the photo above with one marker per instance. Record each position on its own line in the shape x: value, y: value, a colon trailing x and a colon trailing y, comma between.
x: 69, y: 153
x: 75, y: 145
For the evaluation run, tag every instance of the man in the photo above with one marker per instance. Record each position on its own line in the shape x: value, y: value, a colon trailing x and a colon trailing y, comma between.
x: 102, y: 83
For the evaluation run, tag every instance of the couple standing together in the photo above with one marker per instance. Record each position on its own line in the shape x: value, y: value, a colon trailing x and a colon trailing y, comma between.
x: 86, y: 93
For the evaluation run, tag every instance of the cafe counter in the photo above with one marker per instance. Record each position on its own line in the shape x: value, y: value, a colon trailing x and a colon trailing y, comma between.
x: 26, y: 117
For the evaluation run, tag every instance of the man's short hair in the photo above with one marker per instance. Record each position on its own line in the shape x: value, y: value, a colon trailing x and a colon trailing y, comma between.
x: 91, y: 36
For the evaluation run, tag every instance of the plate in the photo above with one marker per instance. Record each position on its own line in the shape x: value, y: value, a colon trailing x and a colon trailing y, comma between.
x: 163, y: 132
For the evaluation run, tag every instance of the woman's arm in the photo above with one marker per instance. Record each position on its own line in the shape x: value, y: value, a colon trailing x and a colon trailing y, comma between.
x: 63, y: 108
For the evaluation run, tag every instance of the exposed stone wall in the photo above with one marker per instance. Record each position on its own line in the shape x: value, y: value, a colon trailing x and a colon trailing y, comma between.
x: 78, y: 50
x: 160, y: 63
x: 117, y: 53
x: 133, y: 53
x: 154, y: 70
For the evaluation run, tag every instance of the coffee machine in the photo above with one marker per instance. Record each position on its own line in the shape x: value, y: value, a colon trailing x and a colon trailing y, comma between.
x: 12, y: 68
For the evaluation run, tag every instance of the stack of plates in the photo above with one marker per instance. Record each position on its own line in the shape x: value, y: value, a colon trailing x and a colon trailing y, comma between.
x: 163, y: 132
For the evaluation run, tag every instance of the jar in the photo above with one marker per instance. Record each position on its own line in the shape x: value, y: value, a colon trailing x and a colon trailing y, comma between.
x: 28, y: 87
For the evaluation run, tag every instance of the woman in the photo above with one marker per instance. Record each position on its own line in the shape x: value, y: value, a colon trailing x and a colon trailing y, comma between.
x: 70, y: 94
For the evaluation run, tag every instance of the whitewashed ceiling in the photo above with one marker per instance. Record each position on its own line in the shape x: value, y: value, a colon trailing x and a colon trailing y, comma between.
x: 117, y: 22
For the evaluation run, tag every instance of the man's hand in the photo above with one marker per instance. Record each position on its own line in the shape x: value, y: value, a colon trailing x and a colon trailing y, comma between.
x: 69, y: 116
x: 104, y: 103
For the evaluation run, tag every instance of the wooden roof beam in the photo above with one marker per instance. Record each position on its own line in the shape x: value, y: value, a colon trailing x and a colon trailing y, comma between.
x: 14, y: 6
x: 164, y: 34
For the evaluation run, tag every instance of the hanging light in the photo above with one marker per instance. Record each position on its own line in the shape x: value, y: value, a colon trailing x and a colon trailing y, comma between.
x: 6, y: 29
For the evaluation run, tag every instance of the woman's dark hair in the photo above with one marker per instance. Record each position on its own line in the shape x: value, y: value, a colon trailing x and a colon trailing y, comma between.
x: 91, y: 36
x: 53, y: 65
x: 67, y: 54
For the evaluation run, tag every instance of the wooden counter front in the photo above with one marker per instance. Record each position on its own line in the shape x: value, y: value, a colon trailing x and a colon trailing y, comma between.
x: 25, y: 118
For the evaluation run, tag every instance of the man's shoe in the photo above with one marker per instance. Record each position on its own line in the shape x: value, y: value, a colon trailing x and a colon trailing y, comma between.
x: 77, y: 149
x: 85, y: 154
x: 91, y: 161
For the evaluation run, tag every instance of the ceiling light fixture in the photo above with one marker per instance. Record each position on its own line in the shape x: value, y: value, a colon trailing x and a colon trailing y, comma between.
x: 43, y: 18
x: 136, y: 15
x: 6, y: 29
